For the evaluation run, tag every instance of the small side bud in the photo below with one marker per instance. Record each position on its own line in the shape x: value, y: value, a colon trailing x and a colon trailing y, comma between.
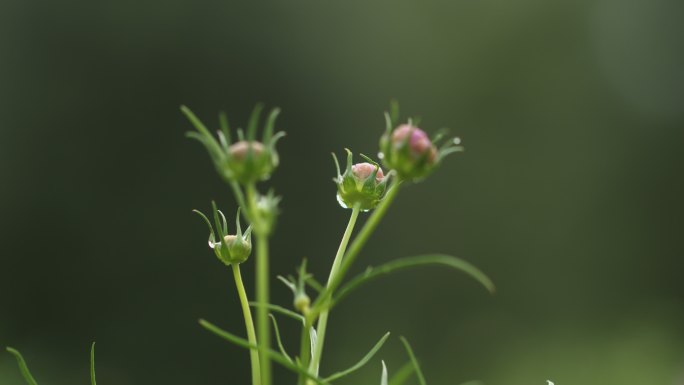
x: 302, y: 302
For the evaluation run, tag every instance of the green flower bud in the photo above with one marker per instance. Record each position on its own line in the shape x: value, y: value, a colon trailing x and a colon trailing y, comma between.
x: 302, y: 302
x: 298, y: 287
x: 362, y: 184
x: 233, y: 248
x: 266, y: 212
x: 247, y: 160
x: 409, y: 151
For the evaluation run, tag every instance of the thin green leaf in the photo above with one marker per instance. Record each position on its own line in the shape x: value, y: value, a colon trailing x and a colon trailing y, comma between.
x: 278, y: 340
x: 92, y: 364
x: 369, y: 160
x: 225, y: 128
x: 403, y: 374
x: 314, y: 284
x: 288, y: 283
x: 449, y: 150
x: 337, y: 164
x: 270, y: 124
x: 209, y: 139
x: 214, y: 151
x: 275, y: 356
x: 225, y: 222
x: 412, y: 356
x: 212, y: 239
x: 410, y: 262
x: 388, y: 123
x: 279, y: 309
x: 22, y: 366
x: 383, y: 378
x: 362, y: 362
x: 254, y: 122
x: 224, y: 141
x: 394, y: 111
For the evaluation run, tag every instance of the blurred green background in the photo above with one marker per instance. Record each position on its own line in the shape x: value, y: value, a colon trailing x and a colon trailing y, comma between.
x: 569, y: 194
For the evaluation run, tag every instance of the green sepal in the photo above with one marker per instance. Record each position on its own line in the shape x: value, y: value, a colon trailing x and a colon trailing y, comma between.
x: 25, y: 372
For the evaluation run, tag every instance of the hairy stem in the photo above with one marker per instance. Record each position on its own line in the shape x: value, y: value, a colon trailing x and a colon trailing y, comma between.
x: 249, y: 324
x: 262, y: 286
x: 323, y: 320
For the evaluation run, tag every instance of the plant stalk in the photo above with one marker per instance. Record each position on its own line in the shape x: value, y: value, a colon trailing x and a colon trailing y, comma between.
x: 323, y: 320
x: 262, y: 286
x: 355, y: 248
x: 249, y: 324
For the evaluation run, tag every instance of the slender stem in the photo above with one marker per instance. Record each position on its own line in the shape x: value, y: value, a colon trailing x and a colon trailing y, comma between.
x: 262, y: 286
x: 262, y: 297
x: 249, y: 324
x: 304, y: 349
x: 355, y: 248
x: 240, y: 198
x: 323, y: 320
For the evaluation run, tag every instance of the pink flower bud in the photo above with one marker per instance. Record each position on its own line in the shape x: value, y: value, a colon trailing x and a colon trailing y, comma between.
x: 419, y: 143
x: 363, y: 170
x: 240, y: 149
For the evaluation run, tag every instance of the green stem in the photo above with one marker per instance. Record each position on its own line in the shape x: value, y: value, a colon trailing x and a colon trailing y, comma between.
x: 249, y: 324
x: 355, y: 248
x: 323, y: 320
x: 262, y: 286
x: 240, y: 198
x: 304, y: 349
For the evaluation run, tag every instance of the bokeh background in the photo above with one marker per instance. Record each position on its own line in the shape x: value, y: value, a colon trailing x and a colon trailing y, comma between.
x: 569, y: 194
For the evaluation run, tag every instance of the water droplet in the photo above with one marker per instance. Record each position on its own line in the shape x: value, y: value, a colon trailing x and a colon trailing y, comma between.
x: 457, y: 140
x: 381, y: 155
x: 341, y: 202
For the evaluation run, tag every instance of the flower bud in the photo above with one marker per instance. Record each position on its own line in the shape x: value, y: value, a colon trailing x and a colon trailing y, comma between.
x: 239, y: 249
x: 409, y: 151
x: 302, y: 302
x: 247, y: 160
x: 362, y: 184
x: 240, y: 149
x: 233, y: 248
x: 297, y: 285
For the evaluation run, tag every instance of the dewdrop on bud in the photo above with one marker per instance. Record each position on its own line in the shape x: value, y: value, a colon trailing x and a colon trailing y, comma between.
x: 362, y: 184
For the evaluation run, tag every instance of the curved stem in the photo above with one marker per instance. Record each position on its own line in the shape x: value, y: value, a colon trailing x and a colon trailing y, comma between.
x: 262, y: 286
x: 249, y: 324
x: 323, y: 320
x: 355, y: 248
